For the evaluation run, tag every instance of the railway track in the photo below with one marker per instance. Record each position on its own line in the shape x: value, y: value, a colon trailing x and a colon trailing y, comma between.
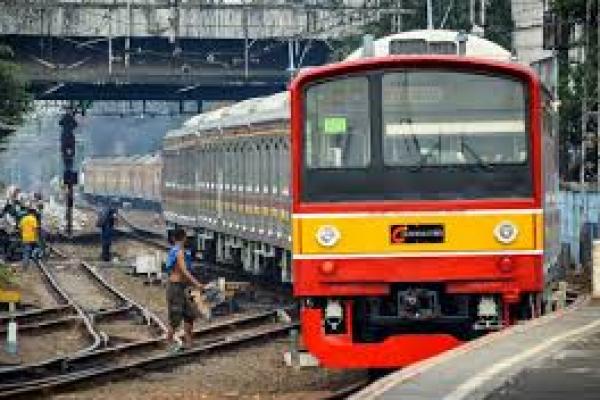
x: 101, y: 301
x: 106, y: 358
x: 145, y: 354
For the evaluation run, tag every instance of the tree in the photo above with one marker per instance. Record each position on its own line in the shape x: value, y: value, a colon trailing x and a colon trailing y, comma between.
x: 571, y: 77
x: 15, y: 101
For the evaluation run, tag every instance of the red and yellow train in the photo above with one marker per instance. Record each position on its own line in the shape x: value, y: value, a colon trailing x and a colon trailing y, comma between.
x: 423, y: 204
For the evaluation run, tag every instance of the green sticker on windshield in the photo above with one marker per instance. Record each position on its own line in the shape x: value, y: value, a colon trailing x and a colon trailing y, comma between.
x: 334, y: 125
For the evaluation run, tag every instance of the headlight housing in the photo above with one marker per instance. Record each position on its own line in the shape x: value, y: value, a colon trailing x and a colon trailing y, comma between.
x: 506, y: 232
x: 328, y: 236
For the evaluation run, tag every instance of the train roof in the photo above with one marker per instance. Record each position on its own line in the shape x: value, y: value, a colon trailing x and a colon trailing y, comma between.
x: 247, y: 112
x: 422, y: 42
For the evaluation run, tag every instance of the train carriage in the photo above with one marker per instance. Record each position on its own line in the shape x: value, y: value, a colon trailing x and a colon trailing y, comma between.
x: 424, y: 202
x: 235, y: 161
x: 132, y: 179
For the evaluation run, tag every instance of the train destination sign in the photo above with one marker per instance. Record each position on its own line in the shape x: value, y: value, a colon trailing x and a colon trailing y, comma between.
x: 334, y: 125
x: 422, y: 233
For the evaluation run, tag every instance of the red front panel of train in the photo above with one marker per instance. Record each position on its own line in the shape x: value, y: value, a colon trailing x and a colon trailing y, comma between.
x: 410, y: 172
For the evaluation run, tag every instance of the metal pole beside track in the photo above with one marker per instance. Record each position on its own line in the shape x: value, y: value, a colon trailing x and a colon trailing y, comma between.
x: 69, y: 209
x: 429, y: 14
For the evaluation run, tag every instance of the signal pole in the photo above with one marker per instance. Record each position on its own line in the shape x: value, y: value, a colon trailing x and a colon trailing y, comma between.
x: 429, y: 14
x: 67, y: 148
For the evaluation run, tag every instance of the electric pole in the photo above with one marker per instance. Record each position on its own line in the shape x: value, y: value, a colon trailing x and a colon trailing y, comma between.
x: 429, y: 14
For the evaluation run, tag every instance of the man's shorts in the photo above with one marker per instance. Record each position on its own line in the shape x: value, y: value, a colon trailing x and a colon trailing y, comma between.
x: 180, y: 304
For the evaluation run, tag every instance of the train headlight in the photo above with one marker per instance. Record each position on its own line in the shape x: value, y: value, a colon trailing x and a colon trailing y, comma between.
x: 328, y: 236
x: 506, y: 232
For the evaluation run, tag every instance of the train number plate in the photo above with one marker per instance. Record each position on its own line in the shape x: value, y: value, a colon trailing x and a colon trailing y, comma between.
x: 423, y: 233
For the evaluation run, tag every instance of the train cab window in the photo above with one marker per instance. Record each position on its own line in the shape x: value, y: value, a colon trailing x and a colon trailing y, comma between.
x: 451, y: 118
x: 417, y: 135
x: 337, y: 128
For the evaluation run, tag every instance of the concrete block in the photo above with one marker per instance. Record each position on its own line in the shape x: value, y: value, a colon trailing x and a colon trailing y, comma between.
x: 11, y: 338
x: 303, y: 360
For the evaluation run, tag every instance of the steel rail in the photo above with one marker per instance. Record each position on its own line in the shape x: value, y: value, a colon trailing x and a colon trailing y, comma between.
x: 84, y: 363
x: 96, y: 338
x: 43, y: 324
x: 65, y: 319
x: 60, y: 364
x: 147, y: 314
x: 167, y: 359
x: 32, y: 315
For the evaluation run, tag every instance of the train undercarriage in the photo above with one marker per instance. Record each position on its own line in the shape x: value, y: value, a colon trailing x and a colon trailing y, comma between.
x: 413, y: 322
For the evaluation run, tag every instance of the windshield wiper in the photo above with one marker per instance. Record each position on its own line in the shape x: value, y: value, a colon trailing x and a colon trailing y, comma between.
x: 480, y: 162
x: 424, y: 157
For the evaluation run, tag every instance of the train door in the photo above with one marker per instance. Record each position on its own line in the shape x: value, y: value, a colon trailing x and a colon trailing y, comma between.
x: 219, y: 182
x: 287, y: 203
x: 210, y: 156
x: 248, y: 186
x: 235, y: 182
x: 255, y: 182
x: 275, y: 189
x: 201, y: 184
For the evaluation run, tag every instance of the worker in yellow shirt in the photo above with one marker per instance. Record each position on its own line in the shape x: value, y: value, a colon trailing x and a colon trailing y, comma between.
x: 29, y: 234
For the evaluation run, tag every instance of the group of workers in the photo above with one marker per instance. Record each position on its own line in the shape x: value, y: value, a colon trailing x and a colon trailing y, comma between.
x: 22, y: 216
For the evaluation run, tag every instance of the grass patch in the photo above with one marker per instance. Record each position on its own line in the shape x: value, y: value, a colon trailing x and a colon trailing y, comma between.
x: 7, y: 276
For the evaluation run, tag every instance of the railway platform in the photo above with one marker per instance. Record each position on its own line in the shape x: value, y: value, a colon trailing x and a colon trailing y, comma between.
x: 553, y: 357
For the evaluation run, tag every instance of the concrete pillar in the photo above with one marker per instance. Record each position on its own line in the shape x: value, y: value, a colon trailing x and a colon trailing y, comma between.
x: 596, y: 269
x: 11, y: 333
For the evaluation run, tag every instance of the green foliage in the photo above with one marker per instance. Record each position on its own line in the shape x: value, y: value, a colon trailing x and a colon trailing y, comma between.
x: 7, y: 277
x: 572, y: 9
x: 499, y: 23
x: 571, y: 78
x: 14, y: 98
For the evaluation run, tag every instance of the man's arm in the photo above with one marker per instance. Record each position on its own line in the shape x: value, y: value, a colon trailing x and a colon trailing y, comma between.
x: 182, y: 267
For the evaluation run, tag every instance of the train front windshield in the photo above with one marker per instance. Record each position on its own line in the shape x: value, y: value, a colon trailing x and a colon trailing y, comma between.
x: 416, y: 135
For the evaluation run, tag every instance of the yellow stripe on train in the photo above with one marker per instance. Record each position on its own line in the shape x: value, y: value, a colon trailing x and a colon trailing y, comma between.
x: 373, y: 233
